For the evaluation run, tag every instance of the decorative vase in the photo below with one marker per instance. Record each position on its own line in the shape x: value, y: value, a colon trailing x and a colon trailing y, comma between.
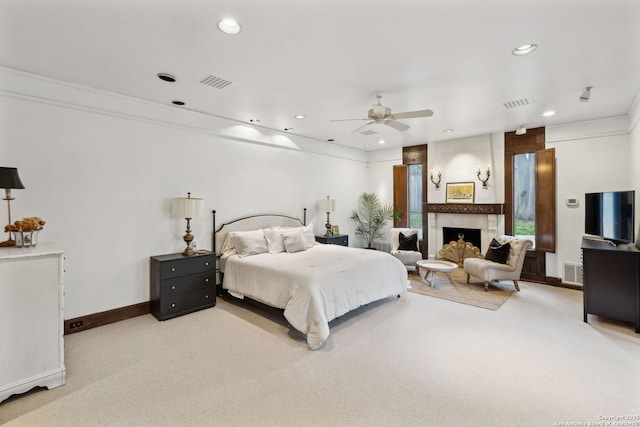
x: 26, y: 239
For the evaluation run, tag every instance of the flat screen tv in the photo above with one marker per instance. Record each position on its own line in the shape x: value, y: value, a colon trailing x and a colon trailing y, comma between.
x: 610, y: 215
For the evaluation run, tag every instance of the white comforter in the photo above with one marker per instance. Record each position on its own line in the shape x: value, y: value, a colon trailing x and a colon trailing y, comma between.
x: 317, y: 285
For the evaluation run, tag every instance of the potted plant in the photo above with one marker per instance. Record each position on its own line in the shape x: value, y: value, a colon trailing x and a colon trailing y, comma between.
x: 371, y: 218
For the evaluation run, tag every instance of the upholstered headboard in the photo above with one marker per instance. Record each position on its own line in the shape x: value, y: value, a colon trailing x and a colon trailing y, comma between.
x: 252, y: 223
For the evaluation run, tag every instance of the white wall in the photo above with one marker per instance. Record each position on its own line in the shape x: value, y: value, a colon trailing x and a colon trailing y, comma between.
x: 104, y: 181
x: 590, y: 157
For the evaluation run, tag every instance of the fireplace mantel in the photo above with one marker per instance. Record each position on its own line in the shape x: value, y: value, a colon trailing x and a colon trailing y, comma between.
x: 466, y: 208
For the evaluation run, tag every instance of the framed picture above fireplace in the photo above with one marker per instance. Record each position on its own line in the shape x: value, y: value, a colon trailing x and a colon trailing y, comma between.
x: 460, y: 192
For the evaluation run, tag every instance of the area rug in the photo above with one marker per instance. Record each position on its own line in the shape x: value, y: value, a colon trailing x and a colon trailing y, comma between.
x: 470, y: 294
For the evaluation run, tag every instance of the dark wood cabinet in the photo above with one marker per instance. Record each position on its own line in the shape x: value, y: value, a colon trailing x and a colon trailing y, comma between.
x: 181, y: 284
x: 337, y: 239
x: 611, y: 278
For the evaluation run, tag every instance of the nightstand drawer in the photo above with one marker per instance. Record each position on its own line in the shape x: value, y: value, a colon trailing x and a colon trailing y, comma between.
x: 181, y: 285
x: 179, y: 304
x: 336, y: 239
x: 182, y: 266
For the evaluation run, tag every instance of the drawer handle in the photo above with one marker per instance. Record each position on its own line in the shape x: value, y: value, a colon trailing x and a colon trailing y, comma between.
x: 173, y: 287
x: 206, y: 263
x: 173, y: 305
x: 206, y: 296
x: 206, y: 280
x: 173, y: 269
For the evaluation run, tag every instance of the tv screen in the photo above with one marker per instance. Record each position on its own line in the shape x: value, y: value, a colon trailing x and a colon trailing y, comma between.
x: 610, y: 215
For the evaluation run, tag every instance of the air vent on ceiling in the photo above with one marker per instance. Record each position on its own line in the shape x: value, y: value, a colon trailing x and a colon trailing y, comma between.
x: 517, y: 103
x: 368, y: 132
x: 216, y: 82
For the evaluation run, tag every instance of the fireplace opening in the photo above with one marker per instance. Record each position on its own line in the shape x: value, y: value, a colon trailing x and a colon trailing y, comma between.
x: 452, y: 234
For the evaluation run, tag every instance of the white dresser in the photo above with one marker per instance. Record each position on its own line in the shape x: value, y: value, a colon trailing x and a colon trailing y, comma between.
x: 31, y: 319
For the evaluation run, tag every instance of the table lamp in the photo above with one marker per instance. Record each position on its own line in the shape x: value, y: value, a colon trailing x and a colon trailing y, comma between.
x: 188, y: 208
x: 9, y: 180
x: 327, y: 205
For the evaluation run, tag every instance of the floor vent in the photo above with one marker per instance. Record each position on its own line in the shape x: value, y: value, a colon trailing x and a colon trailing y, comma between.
x: 572, y: 273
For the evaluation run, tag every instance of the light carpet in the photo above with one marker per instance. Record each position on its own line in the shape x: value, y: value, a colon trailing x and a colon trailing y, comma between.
x: 472, y: 293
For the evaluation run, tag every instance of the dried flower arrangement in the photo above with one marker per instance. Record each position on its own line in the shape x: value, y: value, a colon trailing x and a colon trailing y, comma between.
x: 31, y: 223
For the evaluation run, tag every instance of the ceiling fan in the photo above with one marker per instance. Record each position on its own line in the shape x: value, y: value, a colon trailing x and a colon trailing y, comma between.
x: 382, y: 115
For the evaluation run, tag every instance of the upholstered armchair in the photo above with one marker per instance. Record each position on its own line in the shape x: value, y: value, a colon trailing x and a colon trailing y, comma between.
x: 490, y: 271
x: 407, y: 250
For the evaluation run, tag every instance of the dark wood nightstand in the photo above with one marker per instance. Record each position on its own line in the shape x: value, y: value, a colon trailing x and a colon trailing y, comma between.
x: 182, y: 284
x: 336, y: 239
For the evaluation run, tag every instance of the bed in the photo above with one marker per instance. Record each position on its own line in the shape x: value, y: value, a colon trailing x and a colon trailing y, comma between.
x: 274, y: 259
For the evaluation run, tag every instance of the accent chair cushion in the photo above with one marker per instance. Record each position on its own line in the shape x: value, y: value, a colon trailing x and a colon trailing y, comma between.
x: 498, y: 252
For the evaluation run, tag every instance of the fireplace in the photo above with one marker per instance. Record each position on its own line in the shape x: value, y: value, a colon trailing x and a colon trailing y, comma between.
x: 488, y: 225
x: 471, y: 235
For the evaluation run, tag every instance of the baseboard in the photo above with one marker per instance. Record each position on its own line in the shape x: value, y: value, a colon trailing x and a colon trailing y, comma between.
x: 556, y: 281
x: 89, y: 321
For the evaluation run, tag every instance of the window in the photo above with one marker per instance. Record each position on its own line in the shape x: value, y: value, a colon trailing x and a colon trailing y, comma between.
x: 524, y: 195
x: 415, y: 195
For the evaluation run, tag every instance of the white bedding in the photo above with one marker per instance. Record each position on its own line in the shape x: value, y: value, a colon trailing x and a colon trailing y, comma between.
x: 316, y: 285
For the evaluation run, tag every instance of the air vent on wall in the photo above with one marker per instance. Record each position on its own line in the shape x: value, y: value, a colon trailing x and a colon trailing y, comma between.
x: 216, y: 82
x: 572, y: 273
x: 517, y: 103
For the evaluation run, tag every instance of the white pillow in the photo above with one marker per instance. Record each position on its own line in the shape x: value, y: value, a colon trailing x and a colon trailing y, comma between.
x: 249, y: 242
x: 227, y: 248
x: 294, y: 240
x: 274, y: 239
x: 309, y: 235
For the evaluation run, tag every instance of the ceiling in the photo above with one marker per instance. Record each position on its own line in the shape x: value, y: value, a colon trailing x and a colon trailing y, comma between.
x: 328, y: 59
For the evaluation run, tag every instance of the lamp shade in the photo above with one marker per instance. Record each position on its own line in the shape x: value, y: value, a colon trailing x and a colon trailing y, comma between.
x: 187, y: 207
x: 327, y: 205
x: 9, y: 178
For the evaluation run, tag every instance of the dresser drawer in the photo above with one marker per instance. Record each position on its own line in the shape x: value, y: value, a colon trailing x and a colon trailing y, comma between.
x: 180, y: 285
x: 179, y: 304
x: 182, y: 266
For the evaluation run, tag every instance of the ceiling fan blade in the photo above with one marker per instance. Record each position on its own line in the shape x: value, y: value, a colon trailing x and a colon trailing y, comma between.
x: 366, y: 124
x: 412, y: 114
x: 347, y: 120
x: 396, y: 125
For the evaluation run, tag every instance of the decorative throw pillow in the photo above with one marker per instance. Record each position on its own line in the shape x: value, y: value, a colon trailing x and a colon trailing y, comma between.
x: 408, y: 243
x: 249, y: 242
x: 497, y: 252
x: 294, y: 241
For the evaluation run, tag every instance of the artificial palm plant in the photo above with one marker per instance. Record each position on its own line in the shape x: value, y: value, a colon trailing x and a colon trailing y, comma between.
x: 371, y: 218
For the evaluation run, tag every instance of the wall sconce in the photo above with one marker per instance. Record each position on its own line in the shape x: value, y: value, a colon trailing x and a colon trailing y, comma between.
x: 484, y: 180
x: 436, y: 183
x: 188, y: 208
x: 327, y: 205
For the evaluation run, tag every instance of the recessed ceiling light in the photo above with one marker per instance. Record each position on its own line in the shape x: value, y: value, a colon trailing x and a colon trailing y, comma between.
x: 447, y: 130
x: 288, y: 129
x: 177, y: 102
x: 254, y: 120
x: 229, y: 26
x: 166, y: 77
x: 299, y: 116
x: 381, y: 141
x: 524, y: 49
x: 548, y: 113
